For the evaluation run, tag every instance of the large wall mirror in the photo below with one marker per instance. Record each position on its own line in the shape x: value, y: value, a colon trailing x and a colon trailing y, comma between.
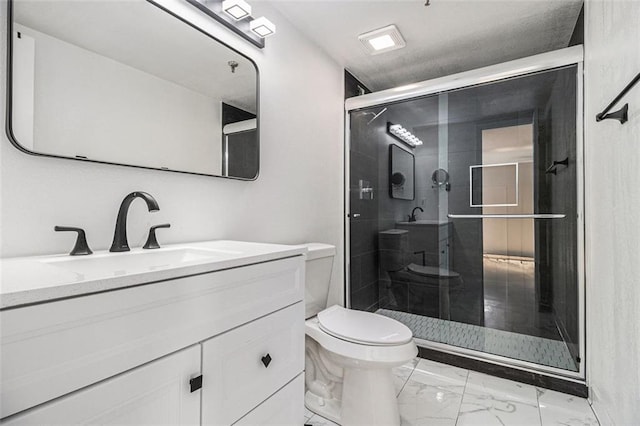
x: 129, y: 83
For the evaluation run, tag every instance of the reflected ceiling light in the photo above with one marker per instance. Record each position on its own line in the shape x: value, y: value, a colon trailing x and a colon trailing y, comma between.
x: 237, y: 9
x: 403, y: 135
x: 262, y: 27
x: 382, y: 40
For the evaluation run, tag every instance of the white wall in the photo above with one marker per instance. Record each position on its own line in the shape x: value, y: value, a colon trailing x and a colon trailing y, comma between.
x: 297, y: 197
x: 612, y: 59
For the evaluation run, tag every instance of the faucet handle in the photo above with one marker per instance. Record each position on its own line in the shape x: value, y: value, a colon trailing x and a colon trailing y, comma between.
x: 81, y: 248
x: 152, y: 241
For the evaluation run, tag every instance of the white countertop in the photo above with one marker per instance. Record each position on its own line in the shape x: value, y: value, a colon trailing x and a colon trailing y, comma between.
x: 36, y: 279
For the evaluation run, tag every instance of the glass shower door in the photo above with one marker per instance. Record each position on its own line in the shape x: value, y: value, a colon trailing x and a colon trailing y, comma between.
x: 483, y: 256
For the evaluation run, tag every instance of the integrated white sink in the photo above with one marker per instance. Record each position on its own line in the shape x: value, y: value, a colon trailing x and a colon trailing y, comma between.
x: 36, y: 279
x: 117, y: 264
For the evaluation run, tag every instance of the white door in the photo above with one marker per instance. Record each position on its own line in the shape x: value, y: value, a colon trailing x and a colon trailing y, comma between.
x: 158, y: 393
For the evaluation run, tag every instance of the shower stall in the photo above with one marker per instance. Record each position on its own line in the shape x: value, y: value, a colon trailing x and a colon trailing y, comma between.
x: 464, y: 207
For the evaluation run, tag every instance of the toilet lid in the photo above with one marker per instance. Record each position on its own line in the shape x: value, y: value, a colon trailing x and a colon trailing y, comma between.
x: 363, y: 327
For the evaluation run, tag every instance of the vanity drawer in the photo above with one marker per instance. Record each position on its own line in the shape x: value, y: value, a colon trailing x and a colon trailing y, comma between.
x: 285, y: 408
x: 51, y: 349
x: 235, y: 379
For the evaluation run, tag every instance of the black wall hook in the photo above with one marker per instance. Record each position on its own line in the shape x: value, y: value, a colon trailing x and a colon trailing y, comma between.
x: 622, y: 115
x: 553, y: 168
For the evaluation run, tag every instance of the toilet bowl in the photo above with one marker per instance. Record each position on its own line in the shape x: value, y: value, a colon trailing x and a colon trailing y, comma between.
x: 417, y: 289
x: 349, y: 354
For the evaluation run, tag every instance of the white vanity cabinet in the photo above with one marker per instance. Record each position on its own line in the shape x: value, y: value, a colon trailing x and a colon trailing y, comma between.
x: 153, y: 394
x: 127, y: 356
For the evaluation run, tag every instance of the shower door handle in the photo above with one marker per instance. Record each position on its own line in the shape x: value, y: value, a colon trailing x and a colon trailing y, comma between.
x: 507, y: 216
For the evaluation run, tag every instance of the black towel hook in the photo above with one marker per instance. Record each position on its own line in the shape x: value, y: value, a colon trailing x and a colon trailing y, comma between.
x: 622, y: 114
x: 553, y: 167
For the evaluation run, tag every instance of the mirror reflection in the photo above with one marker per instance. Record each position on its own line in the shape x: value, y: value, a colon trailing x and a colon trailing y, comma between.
x: 126, y: 82
x: 401, y: 173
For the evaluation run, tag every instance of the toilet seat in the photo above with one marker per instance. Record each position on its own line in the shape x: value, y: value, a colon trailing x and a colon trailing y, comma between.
x: 376, y: 356
x: 432, y: 271
x: 363, y: 327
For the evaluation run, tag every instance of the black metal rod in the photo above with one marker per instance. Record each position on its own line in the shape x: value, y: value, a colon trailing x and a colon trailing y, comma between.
x: 624, y: 91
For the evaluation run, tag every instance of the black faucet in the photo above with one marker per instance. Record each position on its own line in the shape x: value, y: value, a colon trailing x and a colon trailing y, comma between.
x: 120, y: 242
x: 412, y: 216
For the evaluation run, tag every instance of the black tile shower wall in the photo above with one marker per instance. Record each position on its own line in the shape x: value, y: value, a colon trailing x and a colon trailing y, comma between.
x: 363, y: 172
x: 561, y: 198
x: 465, y: 150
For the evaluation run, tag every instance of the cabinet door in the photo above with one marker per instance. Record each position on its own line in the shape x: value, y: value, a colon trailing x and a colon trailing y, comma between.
x: 245, y: 366
x: 285, y: 408
x: 157, y: 393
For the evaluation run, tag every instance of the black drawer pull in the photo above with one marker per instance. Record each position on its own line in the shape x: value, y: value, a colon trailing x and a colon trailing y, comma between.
x: 195, y: 383
x: 266, y: 360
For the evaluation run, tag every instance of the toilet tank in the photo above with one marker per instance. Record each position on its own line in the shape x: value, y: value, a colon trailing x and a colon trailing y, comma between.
x: 318, y: 277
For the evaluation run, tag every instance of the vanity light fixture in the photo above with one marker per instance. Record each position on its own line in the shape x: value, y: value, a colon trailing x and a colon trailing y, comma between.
x: 382, y: 40
x: 403, y: 135
x: 262, y: 27
x: 237, y: 9
x: 236, y: 15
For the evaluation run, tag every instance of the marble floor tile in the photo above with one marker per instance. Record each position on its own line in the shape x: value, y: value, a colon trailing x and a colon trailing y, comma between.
x: 480, y: 383
x: 567, y: 410
x: 401, y: 374
x: 427, y: 368
x: 316, y: 420
x: 434, y: 394
x: 491, y: 400
x: 307, y: 414
x: 430, y: 404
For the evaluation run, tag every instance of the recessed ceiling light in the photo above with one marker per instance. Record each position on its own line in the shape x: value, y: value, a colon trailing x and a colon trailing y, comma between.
x: 237, y: 9
x: 382, y: 40
x: 262, y: 27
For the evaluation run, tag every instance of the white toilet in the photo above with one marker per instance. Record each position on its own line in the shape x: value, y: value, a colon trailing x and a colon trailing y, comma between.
x: 349, y: 354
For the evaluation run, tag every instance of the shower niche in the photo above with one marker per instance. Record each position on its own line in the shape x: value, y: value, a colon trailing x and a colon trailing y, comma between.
x: 483, y: 255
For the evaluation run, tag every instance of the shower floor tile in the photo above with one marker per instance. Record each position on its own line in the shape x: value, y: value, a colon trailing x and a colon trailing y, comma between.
x: 547, y: 352
x: 435, y: 394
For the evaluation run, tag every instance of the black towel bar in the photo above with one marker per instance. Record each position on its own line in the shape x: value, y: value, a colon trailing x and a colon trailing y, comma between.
x: 621, y: 114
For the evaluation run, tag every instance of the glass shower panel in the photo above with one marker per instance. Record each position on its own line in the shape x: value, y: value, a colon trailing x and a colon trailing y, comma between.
x: 484, y: 257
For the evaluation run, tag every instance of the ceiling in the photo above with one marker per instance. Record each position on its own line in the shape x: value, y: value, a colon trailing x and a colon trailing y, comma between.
x: 447, y: 37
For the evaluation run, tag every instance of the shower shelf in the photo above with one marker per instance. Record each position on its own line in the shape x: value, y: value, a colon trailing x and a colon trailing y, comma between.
x: 506, y: 216
x: 622, y: 114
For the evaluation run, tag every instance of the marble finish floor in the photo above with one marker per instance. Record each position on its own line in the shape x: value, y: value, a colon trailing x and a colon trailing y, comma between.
x: 552, y: 353
x: 435, y: 394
